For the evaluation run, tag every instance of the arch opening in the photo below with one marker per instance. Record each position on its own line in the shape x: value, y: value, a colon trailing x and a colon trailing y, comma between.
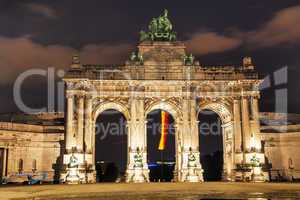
x: 161, y: 162
x: 110, y: 146
x: 211, y: 145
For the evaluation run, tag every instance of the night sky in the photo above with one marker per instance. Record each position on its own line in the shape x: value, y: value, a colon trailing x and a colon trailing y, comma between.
x: 44, y: 33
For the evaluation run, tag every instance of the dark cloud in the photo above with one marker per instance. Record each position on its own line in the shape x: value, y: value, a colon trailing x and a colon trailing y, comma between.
x: 20, y: 54
x: 283, y: 28
x: 211, y: 42
x: 39, y: 34
x: 42, y: 9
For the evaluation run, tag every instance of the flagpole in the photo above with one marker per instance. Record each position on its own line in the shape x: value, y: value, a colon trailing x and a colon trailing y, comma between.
x: 161, y: 166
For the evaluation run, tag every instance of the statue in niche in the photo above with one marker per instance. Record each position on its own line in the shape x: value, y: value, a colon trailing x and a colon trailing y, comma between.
x: 138, y: 158
x: 73, y: 161
x: 191, y: 159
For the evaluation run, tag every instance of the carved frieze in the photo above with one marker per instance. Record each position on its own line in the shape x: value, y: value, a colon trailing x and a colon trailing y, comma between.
x: 79, y: 85
x: 149, y: 101
x: 163, y: 55
x: 121, y: 100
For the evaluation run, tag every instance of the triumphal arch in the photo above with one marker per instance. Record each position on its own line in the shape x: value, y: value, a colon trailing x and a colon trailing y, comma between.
x: 161, y: 74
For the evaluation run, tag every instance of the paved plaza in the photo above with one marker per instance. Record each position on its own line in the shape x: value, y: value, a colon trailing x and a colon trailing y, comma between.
x: 206, y: 190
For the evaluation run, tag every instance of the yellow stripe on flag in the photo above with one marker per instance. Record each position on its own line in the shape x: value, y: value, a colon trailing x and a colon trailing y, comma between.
x: 164, y: 120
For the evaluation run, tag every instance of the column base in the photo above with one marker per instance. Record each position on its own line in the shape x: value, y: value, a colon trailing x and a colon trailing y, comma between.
x: 77, y: 176
x: 192, y: 175
x: 258, y: 175
x: 137, y: 175
x: 228, y: 175
x: 191, y: 170
x: 248, y: 176
x: 249, y: 167
x: 137, y: 169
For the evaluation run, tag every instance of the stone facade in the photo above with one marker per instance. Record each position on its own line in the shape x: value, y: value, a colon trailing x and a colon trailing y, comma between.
x: 31, y: 149
x: 163, y: 80
x: 159, y: 75
x: 282, y: 151
x: 281, y: 139
x: 44, y: 146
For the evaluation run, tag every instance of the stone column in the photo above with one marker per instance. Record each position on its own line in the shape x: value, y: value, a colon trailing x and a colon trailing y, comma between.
x: 89, y: 155
x: 187, y: 136
x: 88, y: 132
x: 74, y: 161
x: 245, y: 124
x: 4, y: 162
x: 255, y: 123
x: 258, y: 175
x: 133, y: 125
x: 194, y: 125
x: 80, y: 115
x: 190, y: 169
x: 137, y: 169
x: 237, y: 125
x: 69, y: 135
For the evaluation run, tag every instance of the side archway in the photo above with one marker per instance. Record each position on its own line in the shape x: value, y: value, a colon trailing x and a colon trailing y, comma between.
x: 226, y: 132
x: 221, y: 109
x: 110, y: 133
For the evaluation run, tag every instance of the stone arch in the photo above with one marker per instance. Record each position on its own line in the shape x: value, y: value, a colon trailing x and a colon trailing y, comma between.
x: 167, y: 106
x: 111, y: 105
x: 222, y: 110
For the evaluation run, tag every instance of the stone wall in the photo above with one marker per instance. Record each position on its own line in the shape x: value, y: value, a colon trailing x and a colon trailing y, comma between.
x: 282, y: 152
x: 31, y: 149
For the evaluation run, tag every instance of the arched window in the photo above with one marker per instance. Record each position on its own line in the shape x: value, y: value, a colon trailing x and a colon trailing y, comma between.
x: 34, y: 165
x: 20, y: 165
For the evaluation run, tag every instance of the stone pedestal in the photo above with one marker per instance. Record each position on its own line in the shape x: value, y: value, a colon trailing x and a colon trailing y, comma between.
x: 137, y: 175
x: 245, y: 171
x: 137, y: 170
x: 257, y: 175
x: 73, y: 176
x: 194, y: 175
x: 77, y: 169
x: 191, y: 170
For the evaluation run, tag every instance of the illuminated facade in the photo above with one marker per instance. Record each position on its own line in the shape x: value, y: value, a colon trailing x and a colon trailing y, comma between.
x: 161, y: 75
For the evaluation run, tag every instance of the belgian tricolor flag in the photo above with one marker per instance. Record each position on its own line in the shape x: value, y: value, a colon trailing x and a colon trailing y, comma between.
x: 164, y: 130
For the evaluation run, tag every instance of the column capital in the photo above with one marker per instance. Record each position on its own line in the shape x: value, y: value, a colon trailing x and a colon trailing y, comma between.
x: 236, y: 99
x: 80, y: 95
x: 245, y: 97
x: 139, y: 98
x: 88, y: 96
x: 69, y: 95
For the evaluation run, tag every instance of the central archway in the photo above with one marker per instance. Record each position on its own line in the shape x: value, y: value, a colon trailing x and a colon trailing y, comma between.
x: 176, y: 116
x: 161, y: 162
